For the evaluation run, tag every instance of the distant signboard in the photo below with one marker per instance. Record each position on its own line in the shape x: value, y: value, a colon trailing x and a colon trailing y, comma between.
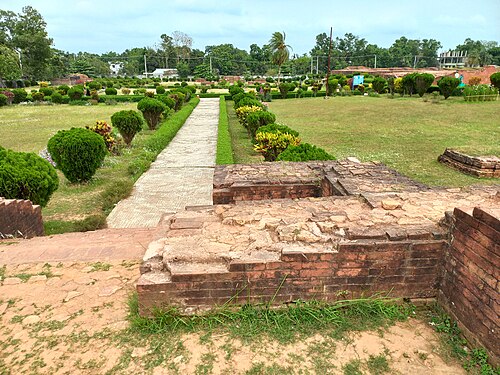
x: 358, y: 80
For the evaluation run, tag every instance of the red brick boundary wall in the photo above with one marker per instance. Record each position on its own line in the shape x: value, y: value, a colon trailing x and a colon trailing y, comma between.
x: 470, y: 286
x: 20, y: 218
x: 479, y: 166
x: 347, y: 270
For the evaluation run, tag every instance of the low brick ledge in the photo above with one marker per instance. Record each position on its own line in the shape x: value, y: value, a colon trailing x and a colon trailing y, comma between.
x: 479, y: 166
x: 350, y: 269
x: 20, y: 218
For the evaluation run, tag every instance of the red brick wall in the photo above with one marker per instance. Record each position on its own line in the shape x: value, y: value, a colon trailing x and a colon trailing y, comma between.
x: 348, y: 270
x: 480, y: 166
x: 470, y: 286
x: 20, y: 218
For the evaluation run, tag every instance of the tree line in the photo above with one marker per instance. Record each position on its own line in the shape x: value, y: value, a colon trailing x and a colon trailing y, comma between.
x: 26, y: 51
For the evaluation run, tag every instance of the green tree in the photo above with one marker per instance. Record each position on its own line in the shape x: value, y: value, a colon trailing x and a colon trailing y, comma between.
x: 183, y: 69
x: 82, y: 66
x: 259, y: 59
x: 479, y: 53
x: 227, y: 60
x: 9, y: 63
x: 350, y: 50
x: 428, y: 53
x: 26, y: 33
x: 280, y: 51
x: 403, y: 52
x: 320, y: 52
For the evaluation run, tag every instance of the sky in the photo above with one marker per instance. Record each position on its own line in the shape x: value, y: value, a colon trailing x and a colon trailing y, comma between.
x: 99, y: 26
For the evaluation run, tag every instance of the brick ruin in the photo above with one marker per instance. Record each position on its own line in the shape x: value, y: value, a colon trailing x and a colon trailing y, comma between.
x: 20, y: 218
x: 469, y: 288
x: 479, y: 166
x: 323, y: 230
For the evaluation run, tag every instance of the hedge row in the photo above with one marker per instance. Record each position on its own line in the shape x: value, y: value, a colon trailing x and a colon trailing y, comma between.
x: 160, y: 139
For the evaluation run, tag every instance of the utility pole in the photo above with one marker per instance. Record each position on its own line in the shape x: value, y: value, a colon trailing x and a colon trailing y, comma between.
x: 317, y: 64
x: 20, y: 61
x: 329, y: 55
x: 145, y: 67
x: 210, y: 64
x: 312, y: 57
x: 375, y: 61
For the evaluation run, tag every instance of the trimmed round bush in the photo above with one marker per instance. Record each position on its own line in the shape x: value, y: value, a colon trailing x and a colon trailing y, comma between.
x: 304, y: 152
x: 75, y: 93
x: 495, y: 79
x: 3, y: 100
x: 235, y: 89
x: 47, y: 91
x: 378, y: 85
x: 160, y: 90
x: 447, y: 85
x: 128, y: 123
x: 63, y: 89
x: 57, y: 98
x: 111, y: 91
x: 276, y: 128
x: 179, y: 99
x: 37, y: 96
x: 168, y: 101
x: 77, y: 152
x: 255, y: 120
x: 152, y: 111
x: 25, y: 175
x: 94, y: 85
x: 20, y: 95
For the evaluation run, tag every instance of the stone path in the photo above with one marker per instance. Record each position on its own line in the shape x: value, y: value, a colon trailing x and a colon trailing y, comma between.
x: 103, y: 245
x: 181, y: 176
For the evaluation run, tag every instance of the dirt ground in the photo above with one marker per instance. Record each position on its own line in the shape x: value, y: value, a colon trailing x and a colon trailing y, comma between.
x: 71, y: 318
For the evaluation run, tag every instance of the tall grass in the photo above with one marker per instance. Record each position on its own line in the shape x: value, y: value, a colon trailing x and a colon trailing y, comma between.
x: 284, y: 324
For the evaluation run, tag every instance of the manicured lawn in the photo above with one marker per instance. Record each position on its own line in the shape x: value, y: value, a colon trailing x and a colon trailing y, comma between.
x: 79, y: 207
x: 407, y: 134
x: 28, y: 128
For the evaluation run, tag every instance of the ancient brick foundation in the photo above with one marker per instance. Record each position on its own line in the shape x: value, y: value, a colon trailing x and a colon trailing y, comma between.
x: 479, y: 166
x: 233, y: 183
x: 346, y: 270
x: 20, y: 218
x: 324, y: 230
x: 470, y: 286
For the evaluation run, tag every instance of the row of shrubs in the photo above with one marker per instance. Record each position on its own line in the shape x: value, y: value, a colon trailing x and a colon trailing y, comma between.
x: 64, y: 94
x: 78, y: 152
x: 274, y: 141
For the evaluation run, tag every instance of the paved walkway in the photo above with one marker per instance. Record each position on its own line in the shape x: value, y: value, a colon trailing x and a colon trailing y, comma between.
x: 102, y: 245
x: 181, y: 176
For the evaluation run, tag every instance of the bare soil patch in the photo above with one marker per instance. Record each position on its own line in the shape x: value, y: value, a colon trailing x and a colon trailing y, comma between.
x: 71, y: 318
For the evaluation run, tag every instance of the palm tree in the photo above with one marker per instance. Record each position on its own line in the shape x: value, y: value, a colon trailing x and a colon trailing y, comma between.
x: 280, y: 52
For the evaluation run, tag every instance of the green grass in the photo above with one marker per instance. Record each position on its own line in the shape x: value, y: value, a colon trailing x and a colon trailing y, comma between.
x: 28, y: 128
x: 252, y: 322
x: 243, y: 152
x: 224, y: 149
x: 82, y: 207
x: 407, y: 134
